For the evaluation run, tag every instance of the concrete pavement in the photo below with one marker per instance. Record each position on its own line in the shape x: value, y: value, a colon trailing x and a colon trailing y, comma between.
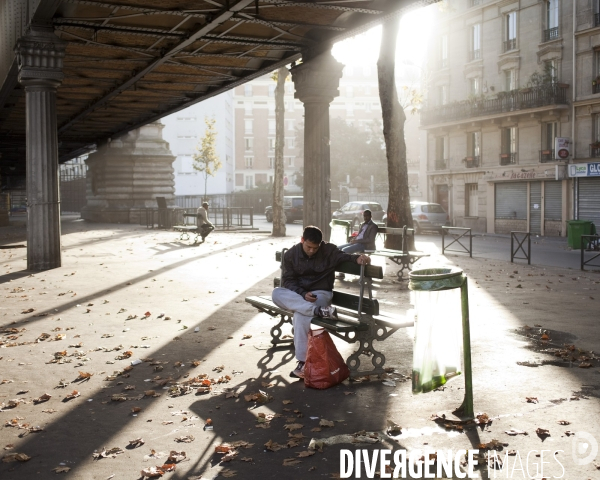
x: 124, y: 288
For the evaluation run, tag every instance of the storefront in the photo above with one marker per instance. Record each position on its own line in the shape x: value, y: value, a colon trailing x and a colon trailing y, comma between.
x: 528, y: 201
x: 587, y: 188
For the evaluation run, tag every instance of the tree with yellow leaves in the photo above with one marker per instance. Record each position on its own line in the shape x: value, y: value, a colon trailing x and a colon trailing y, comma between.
x: 206, y: 159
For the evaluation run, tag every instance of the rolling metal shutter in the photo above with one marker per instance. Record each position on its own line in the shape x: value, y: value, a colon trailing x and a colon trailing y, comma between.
x: 553, y: 201
x: 535, y: 207
x: 589, y: 200
x: 511, y: 200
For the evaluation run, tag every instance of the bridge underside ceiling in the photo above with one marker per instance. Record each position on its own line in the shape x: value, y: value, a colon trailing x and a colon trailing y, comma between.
x: 129, y: 62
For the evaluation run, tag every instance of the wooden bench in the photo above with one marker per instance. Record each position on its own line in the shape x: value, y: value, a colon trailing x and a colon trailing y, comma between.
x: 404, y: 258
x: 360, y: 319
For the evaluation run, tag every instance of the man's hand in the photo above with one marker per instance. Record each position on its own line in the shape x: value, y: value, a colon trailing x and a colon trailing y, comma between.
x: 309, y: 297
x: 363, y: 260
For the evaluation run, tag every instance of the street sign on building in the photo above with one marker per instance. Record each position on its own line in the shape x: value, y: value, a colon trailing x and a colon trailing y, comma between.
x: 562, y: 148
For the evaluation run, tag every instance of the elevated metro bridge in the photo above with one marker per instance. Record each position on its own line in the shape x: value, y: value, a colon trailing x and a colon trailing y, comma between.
x: 76, y: 73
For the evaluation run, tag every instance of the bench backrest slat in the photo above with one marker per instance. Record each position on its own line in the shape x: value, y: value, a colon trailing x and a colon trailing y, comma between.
x: 349, y: 301
x: 371, y: 271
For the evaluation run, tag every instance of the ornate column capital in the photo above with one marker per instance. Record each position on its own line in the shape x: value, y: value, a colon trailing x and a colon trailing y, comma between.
x: 317, y: 80
x: 40, y: 56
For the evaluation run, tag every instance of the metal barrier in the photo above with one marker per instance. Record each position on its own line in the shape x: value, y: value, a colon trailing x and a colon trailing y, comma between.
x: 513, y: 252
x: 223, y: 218
x: 457, y: 239
x: 590, y: 243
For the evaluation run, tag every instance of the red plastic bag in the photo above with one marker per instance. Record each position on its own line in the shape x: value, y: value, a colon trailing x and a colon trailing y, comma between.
x: 324, y: 365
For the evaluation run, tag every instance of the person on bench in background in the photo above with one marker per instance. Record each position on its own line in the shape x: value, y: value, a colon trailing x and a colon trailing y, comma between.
x: 204, y: 225
x: 307, y: 285
x: 365, y: 240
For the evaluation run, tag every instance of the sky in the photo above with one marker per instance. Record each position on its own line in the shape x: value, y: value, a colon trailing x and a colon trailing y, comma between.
x: 415, y: 28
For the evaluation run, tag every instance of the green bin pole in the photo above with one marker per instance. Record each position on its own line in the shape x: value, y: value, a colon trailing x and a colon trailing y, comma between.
x: 466, y: 409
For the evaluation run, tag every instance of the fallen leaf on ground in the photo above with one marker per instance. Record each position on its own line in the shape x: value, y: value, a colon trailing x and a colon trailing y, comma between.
x: 290, y: 462
x: 246, y: 459
x: 84, y: 376
x: 306, y: 453
x: 176, y: 456
x: 44, y: 398
x: 72, y: 395
x: 152, y: 472
x: 532, y: 400
x: 326, y: 423
x: 293, y: 426
x: 227, y: 473
x: 542, y: 432
x: 61, y: 469
x: 137, y: 442
x: 185, y: 439
x: 585, y: 365
x: 287, y: 402
x: 514, y: 431
x: 564, y: 422
x: 16, y: 457
x: 273, y: 446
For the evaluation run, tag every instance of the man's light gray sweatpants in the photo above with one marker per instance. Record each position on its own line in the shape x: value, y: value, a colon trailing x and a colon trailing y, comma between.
x: 303, y: 314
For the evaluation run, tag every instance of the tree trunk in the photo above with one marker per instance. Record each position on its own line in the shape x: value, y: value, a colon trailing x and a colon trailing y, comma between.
x: 398, y: 212
x: 278, y: 214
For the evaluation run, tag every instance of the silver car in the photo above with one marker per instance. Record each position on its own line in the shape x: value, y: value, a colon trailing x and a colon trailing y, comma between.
x: 353, y: 211
x: 428, y: 216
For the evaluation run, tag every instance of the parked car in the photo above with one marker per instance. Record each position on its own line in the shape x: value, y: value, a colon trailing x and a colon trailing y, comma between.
x: 293, y: 209
x: 427, y: 216
x: 353, y: 211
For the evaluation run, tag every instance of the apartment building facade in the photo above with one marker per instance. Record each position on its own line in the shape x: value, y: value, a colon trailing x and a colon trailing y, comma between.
x: 358, y: 104
x: 184, y: 131
x: 509, y: 78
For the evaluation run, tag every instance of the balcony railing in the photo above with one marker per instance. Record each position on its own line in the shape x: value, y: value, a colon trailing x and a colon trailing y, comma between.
x: 546, y: 156
x: 594, y: 150
x: 596, y: 19
x: 550, y: 34
x: 471, y: 162
x: 474, y: 3
x: 441, y: 164
x: 475, y: 54
x: 550, y: 94
x: 508, y: 158
x: 510, y: 44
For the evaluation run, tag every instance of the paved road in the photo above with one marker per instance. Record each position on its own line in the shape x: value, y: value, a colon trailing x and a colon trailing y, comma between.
x: 545, y: 251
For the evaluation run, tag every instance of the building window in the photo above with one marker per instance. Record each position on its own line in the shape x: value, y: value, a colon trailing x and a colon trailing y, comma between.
x: 549, y: 132
x: 271, y: 162
x: 551, y: 31
x: 290, y: 161
x: 249, y: 162
x: 271, y: 144
x: 291, y: 125
x: 248, y: 142
x: 475, y: 42
x: 471, y: 200
x: 444, y: 51
x: 473, y: 149
x: 510, y: 80
x: 248, y: 126
x: 440, y: 153
x: 290, y: 142
x: 510, y: 40
x: 272, y: 90
x: 248, y: 108
x: 474, y: 86
x: 239, y: 179
x: 367, y: 106
x: 349, y: 91
x: 350, y: 109
x: 247, y: 90
x: 271, y: 127
x: 271, y: 107
x: 508, y: 154
x: 442, y: 94
x: 551, y: 70
x: 249, y: 182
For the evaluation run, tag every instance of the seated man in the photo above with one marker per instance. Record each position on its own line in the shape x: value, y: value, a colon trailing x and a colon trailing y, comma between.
x: 307, y: 285
x: 365, y: 240
x: 204, y: 226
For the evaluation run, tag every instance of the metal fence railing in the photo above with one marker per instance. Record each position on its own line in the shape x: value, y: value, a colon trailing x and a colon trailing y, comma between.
x: 224, y: 218
x: 458, y: 234
x: 514, y: 238
x: 590, y: 243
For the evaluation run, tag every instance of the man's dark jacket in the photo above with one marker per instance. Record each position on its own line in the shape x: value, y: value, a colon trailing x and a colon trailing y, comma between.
x: 303, y: 274
x: 368, y: 239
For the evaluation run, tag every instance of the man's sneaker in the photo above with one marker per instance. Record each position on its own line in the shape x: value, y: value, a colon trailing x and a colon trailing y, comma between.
x: 327, y: 312
x: 298, y: 372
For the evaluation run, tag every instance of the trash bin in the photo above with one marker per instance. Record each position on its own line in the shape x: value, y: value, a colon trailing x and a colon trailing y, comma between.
x: 577, y: 228
x: 438, y: 332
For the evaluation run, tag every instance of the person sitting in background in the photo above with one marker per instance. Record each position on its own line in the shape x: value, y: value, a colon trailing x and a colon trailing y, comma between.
x: 204, y: 225
x: 365, y: 240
